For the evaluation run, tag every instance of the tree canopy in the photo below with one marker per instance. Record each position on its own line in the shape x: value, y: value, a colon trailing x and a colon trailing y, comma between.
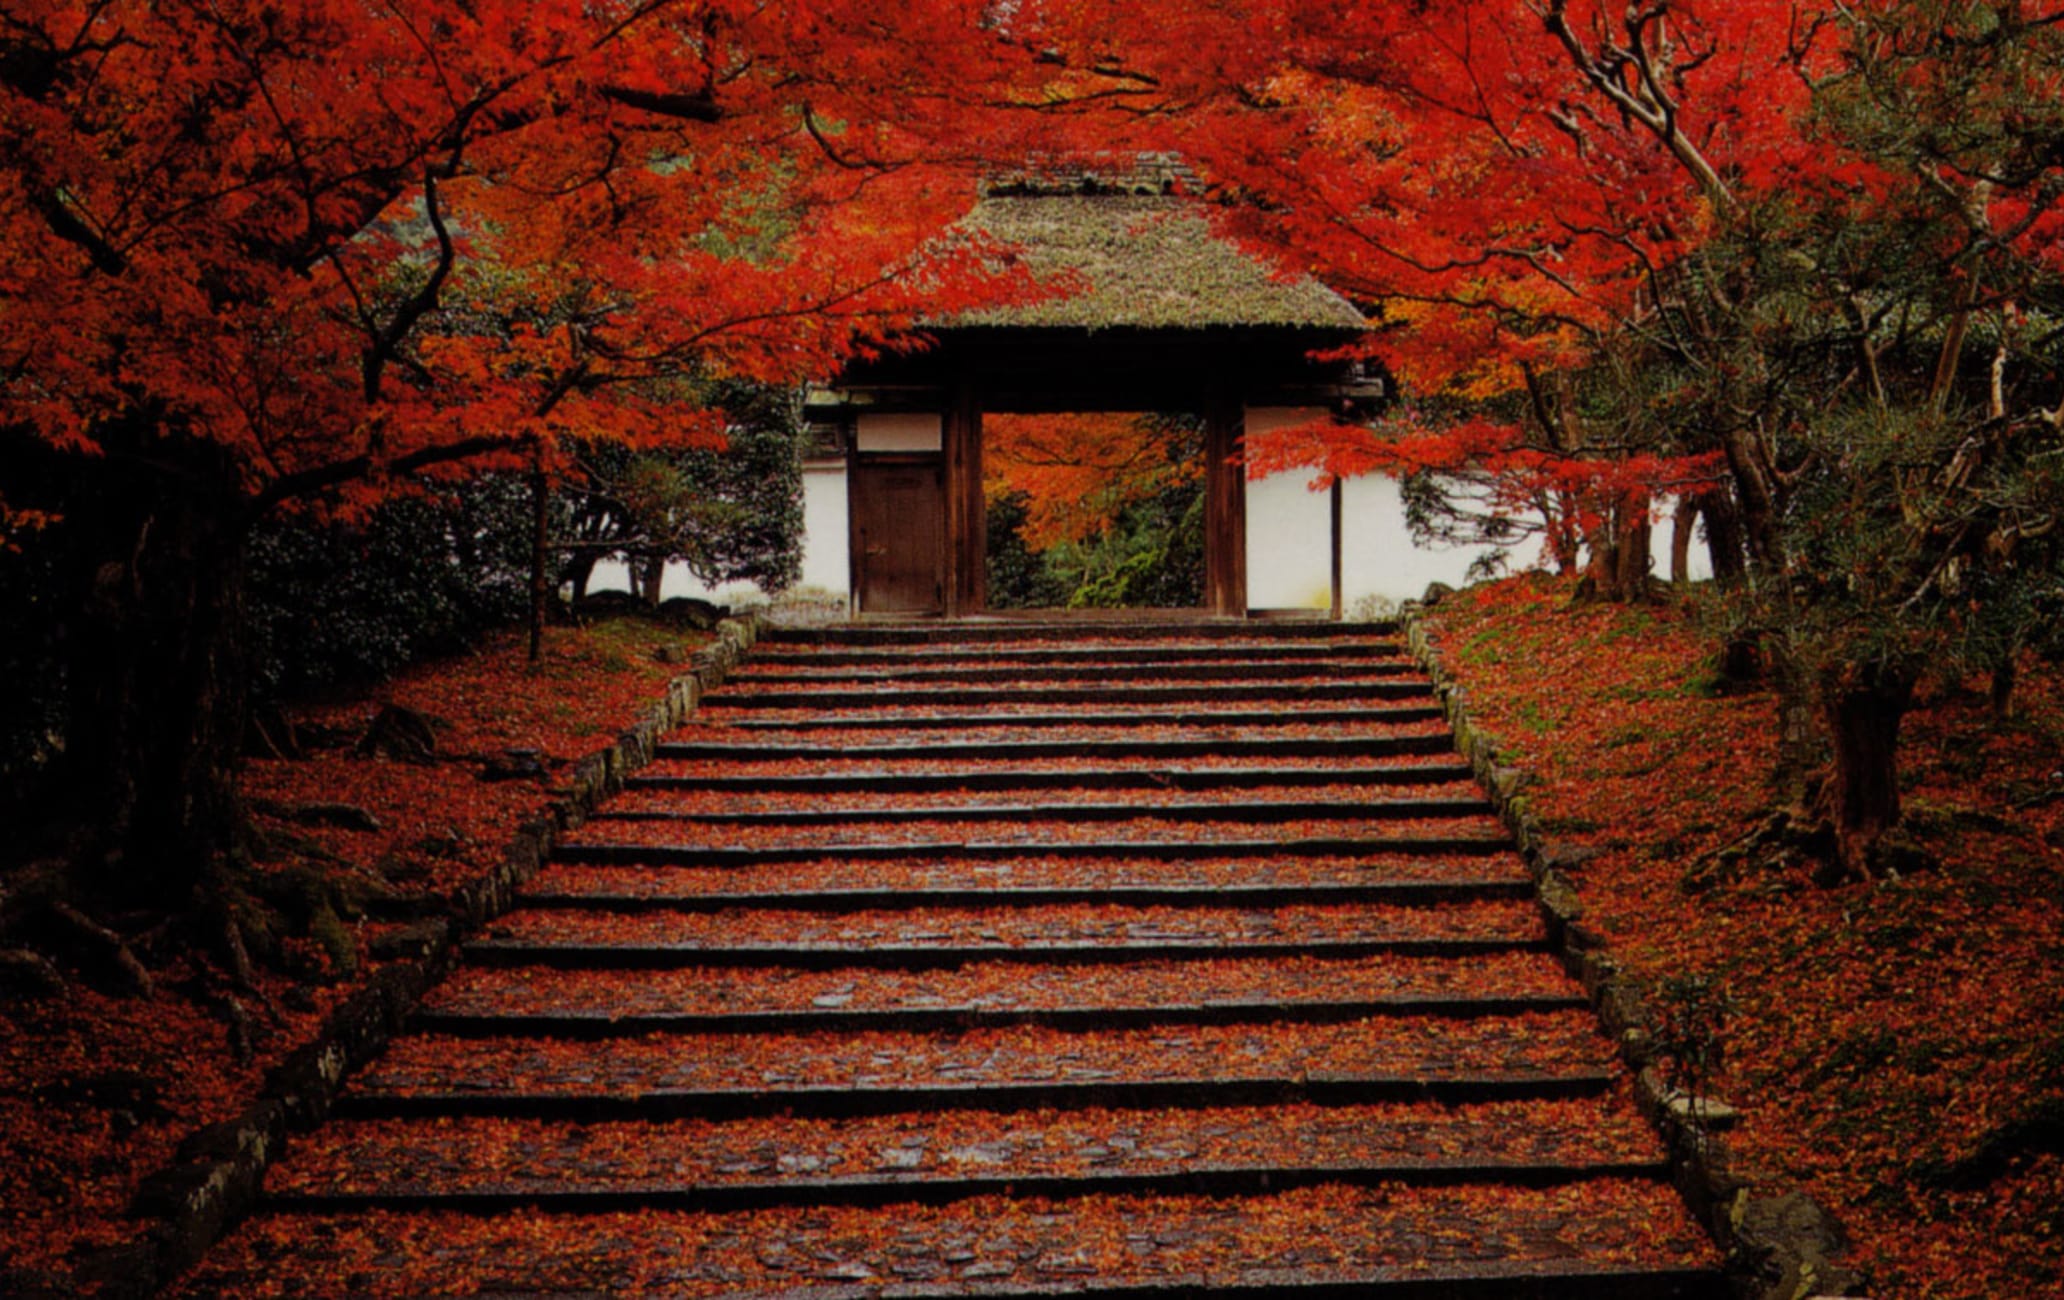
x: 1795, y: 262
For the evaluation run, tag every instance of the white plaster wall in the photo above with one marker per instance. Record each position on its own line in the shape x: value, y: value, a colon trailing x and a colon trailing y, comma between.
x: 920, y: 431
x: 827, y: 560
x: 1289, y: 528
x: 1377, y: 557
x: 825, y: 564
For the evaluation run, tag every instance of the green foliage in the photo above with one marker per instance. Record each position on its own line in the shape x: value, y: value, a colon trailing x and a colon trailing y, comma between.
x: 1018, y: 576
x: 335, y: 603
x: 1150, y: 557
x: 730, y: 514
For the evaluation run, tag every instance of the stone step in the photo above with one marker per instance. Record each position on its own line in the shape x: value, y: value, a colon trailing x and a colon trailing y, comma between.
x: 655, y: 812
x: 1600, y: 1239
x: 606, y: 853
x: 1285, y: 988
x: 1194, y: 720
x: 925, y: 956
x: 861, y: 899
x: 956, y: 1019
x: 1204, y: 922
x: 1221, y: 670
x: 893, y: 1189
x: 1536, y: 1054
x: 749, y: 695
x: 1343, y: 650
x: 718, y: 1168
x: 1081, y: 878
x: 1076, y: 632
x: 848, y: 777
x: 661, y: 1102
x: 487, y: 1163
x: 1140, y: 747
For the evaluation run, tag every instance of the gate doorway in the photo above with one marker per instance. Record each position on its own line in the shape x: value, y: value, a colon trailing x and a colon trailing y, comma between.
x: 899, y: 540
x: 1094, y: 510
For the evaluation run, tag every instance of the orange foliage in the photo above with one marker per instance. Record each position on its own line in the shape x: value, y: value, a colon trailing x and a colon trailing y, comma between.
x: 344, y: 242
x: 1078, y: 471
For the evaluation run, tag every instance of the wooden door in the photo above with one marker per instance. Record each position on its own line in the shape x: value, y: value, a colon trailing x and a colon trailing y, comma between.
x: 899, y: 536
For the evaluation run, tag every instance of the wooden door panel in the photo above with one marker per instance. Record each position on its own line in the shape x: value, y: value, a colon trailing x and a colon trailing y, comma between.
x: 899, y: 514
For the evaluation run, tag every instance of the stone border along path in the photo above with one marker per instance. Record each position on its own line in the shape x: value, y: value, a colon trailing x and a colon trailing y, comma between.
x: 1057, y: 1067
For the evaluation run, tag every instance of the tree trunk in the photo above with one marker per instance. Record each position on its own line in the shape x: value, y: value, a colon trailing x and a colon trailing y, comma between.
x: 1863, y: 709
x: 540, y: 555
x: 1620, y: 552
x: 1724, y: 541
x: 1802, y: 750
x: 1758, y: 493
x: 2005, y: 675
x: 1633, y: 547
x: 1683, y: 521
x: 648, y: 575
x: 157, y: 676
x: 580, y: 572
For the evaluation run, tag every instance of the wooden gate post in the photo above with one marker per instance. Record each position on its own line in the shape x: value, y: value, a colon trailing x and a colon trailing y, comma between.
x: 967, y: 522
x: 1225, y: 511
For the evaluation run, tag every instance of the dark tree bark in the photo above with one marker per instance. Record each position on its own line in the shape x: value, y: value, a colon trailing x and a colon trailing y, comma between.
x: 1634, y: 549
x: 1682, y: 523
x: 540, y: 558
x: 1863, y: 709
x: 580, y: 571
x: 648, y: 575
x: 1757, y: 493
x: 1620, y: 549
x: 157, y: 678
x: 2005, y: 676
x: 1724, y: 542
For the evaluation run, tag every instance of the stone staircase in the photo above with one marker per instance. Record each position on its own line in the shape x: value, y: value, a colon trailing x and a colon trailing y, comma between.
x: 1009, y: 960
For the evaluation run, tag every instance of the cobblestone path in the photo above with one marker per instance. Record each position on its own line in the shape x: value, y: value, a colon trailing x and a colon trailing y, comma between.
x: 1008, y: 960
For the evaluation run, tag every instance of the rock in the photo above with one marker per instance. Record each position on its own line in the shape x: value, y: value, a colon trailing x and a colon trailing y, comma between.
x: 515, y: 765
x: 402, y: 733
x: 1566, y: 858
x: 1436, y: 592
x: 1790, y: 1242
x: 690, y: 612
x: 414, y: 941
x: 991, y: 1268
x: 673, y: 654
x: 1706, y: 1112
x: 344, y: 816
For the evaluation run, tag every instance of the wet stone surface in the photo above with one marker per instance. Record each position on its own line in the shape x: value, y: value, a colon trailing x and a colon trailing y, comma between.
x: 1423, y: 1116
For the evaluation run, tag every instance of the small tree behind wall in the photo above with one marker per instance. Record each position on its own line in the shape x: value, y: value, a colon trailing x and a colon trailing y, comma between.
x: 730, y: 513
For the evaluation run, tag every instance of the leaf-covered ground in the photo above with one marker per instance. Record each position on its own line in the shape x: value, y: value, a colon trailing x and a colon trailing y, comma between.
x: 1898, y: 1046
x: 97, y: 1091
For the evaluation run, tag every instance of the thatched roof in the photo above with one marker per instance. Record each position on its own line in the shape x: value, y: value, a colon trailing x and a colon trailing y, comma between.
x: 1150, y: 261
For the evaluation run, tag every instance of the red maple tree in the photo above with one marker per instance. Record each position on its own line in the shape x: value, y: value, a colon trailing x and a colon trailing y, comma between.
x: 256, y: 254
